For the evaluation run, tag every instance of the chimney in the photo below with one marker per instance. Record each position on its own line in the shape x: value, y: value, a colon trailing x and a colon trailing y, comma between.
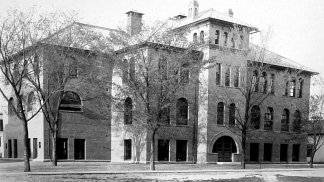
x: 230, y: 12
x: 134, y: 22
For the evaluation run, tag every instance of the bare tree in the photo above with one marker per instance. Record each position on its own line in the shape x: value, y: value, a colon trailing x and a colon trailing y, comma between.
x: 314, y: 125
x: 151, y: 76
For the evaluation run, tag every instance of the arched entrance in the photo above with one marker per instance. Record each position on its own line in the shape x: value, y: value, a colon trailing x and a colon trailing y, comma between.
x: 224, y: 147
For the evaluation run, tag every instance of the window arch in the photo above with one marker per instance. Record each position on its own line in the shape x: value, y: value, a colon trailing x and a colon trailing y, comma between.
x: 232, y: 114
x: 195, y: 38
x: 70, y: 102
x: 285, y: 120
x: 263, y: 82
x: 225, y: 38
x: 31, y: 101
x: 297, y: 121
x: 217, y: 37
x: 268, y: 119
x: 202, y: 37
x: 220, y: 113
x: 128, y: 113
x: 255, y: 117
x: 182, y: 111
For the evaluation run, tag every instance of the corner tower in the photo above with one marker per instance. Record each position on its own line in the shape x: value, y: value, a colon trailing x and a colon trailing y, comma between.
x: 193, y: 9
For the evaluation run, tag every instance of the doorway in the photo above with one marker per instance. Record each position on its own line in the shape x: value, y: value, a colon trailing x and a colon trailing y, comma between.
x: 295, y: 154
x: 181, y: 152
x: 62, y: 148
x: 163, y: 150
x: 224, y: 147
x: 283, y: 152
x: 254, y: 152
x: 79, y: 149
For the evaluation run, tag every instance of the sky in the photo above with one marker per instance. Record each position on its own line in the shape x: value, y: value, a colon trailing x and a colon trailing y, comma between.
x: 297, y: 25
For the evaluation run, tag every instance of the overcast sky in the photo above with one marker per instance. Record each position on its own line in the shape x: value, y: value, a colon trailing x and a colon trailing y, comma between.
x: 298, y: 25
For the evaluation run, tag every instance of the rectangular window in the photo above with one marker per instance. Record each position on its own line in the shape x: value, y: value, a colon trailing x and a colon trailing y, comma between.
x: 300, y: 88
x: 163, y: 150
x: 181, y: 150
x: 15, y: 148
x: 1, y: 125
x: 236, y: 76
x: 254, y: 152
x: 128, y: 149
x: 268, y: 121
x: 9, y: 149
x: 295, y: 153
x: 267, y: 155
x: 218, y: 73
x: 271, y: 84
x: 286, y: 88
x: 184, y: 73
x: 228, y: 76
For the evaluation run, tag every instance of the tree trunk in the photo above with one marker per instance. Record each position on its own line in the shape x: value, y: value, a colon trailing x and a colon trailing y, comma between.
x: 152, y: 161
x: 26, y: 145
x: 243, y: 149
x: 312, y: 160
x: 54, y: 153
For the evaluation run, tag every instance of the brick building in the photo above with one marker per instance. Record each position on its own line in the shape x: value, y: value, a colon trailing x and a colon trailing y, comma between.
x: 99, y: 132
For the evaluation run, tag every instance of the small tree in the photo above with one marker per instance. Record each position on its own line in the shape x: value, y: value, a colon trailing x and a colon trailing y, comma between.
x: 314, y: 125
x: 152, y: 75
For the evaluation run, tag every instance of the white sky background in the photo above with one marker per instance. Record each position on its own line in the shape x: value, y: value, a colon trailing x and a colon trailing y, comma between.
x: 298, y: 25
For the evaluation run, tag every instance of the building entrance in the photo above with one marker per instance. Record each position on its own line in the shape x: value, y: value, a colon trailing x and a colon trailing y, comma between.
x: 224, y: 147
x: 62, y: 148
x: 79, y: 149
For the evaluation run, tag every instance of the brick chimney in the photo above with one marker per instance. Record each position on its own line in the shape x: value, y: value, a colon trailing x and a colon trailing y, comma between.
x: 134, y: 22
x: 230, y: 12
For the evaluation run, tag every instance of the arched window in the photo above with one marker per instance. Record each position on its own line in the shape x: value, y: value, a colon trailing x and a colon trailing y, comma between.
x: 236, y: 76
x: 228, y: 76
x: 131, y: 69
x: 268, y: 119
x: 217, y: 37
x: 232, y: 114
x: 285, y: 120
x: 233, y: 42
x: 286, y: 87
x: 255, y: 117
x: 271, y: 83
x: 297, y: 121
x: 220, y: 113
x: 292, y: 91
x: 300, y: 88
x: 128, y: 107
x: 195, y: 38
x: 225, y: 38
x: 182, y: 111
x: 31, y: 101
x: 218, y: 73
x: 255, y: 81
x: 241, y: 42
x: 263, y: 83
x: 70, y: 102
x: 202, y: 37
x: 10, y: 106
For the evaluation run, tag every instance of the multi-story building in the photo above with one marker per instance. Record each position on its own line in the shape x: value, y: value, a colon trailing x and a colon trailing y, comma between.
x: 103, y: 132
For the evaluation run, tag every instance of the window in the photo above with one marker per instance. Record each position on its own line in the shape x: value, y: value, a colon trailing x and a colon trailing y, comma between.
x: 125, y: 70
x: 217, y: 37
x: 228, y: 76
x: 70, y: 102
x: 165, y: 115
x: 225, y: 38
x: 233, y: 42
x: 285, y: 120
x: 163, y: 150
x: 218, y: 73
x: 72, y: 68
x: 271, y: 83
x: 195, y: 39
x: 236, y: 76
x: 31, y: 101
x: 181, y: 150
x: 297, y: 121
x: 232, y: 114
x: 255, y: 117
x: 36, y: 64
x: 268, y: 119
x: 300, y: 88
x: 163, y: 68
x: 202, y: 37
x: 292, y: 89
x: 241, y: 42
x: 182, y: 111
x: 184, y: 74
x: 220, y: 113
x: 128, y: 149
x: 128, y: 115
x: 286, y: 84
x: 1, y: 125
x: 255, y: 81
x: 132, y: 69
x: 263, y: 83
